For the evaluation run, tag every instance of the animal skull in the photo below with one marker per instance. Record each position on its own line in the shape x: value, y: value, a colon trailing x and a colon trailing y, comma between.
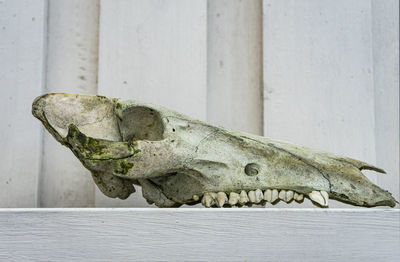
x: 179, y: 160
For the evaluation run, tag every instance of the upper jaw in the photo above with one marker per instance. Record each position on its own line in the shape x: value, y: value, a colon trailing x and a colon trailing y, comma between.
x: 295, y: 169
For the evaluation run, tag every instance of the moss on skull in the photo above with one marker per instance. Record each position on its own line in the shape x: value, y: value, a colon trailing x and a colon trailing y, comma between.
x: 123, y: 167
x: 98, y: 149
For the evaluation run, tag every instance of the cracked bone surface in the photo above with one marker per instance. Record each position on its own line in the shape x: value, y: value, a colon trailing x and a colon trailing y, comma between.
x: 179, y: 160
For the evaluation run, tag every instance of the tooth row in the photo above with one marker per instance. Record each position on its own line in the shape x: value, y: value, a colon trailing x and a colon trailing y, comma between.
x: 257, y: 196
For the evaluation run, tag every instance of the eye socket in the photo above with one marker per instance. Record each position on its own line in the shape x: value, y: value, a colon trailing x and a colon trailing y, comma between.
x: 141, y: 123
x: 251, y: 169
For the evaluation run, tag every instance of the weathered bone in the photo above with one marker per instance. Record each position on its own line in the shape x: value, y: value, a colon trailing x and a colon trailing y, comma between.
x: 179, y: 160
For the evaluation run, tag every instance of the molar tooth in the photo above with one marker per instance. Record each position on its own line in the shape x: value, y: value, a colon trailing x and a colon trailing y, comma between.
x: 259, y: 195
x: 289, y: 195
x: 252, y: 196
x: 207, y: 200
x: 282, y: 195
x: 275, y: 195
x: 221, y: 199
x: 319, y: 197
x: 243, y: 198
x: 268, y: 195
x: 298, y: 197
x: 233, y: 198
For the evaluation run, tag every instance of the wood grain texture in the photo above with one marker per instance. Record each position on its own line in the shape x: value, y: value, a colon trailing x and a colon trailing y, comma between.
x: 22, y: 43
x: 385, y: 36
x: 153, y: 51
x: 318, y: 77
x: 234, y: 65
x: 72, y: 57
x: 199, y: 235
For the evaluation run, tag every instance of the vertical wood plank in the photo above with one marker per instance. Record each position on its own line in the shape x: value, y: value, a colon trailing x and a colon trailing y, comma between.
x: 153, y: 51
x: 72, y: 58
x: 385, y: 35
x: 318, y: 76
x: 22, y: 41
x: 234, y: 71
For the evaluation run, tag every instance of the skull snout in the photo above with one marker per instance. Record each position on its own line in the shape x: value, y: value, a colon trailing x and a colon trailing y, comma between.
x: 93, y: 115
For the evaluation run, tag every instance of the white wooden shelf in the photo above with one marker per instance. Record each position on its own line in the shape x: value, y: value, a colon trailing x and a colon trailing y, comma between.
x: 150, y: 234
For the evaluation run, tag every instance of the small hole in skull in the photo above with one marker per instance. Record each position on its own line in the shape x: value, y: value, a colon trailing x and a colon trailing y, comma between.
x: 173, y: 129
x: 251, y: 169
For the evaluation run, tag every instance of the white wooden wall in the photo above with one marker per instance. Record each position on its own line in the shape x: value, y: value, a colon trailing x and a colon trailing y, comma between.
x: 22, y: 57
x: 319, y: 73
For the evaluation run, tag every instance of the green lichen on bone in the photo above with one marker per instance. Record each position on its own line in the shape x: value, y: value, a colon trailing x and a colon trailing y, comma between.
x: 98, y: 149
x: 123, y: 167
